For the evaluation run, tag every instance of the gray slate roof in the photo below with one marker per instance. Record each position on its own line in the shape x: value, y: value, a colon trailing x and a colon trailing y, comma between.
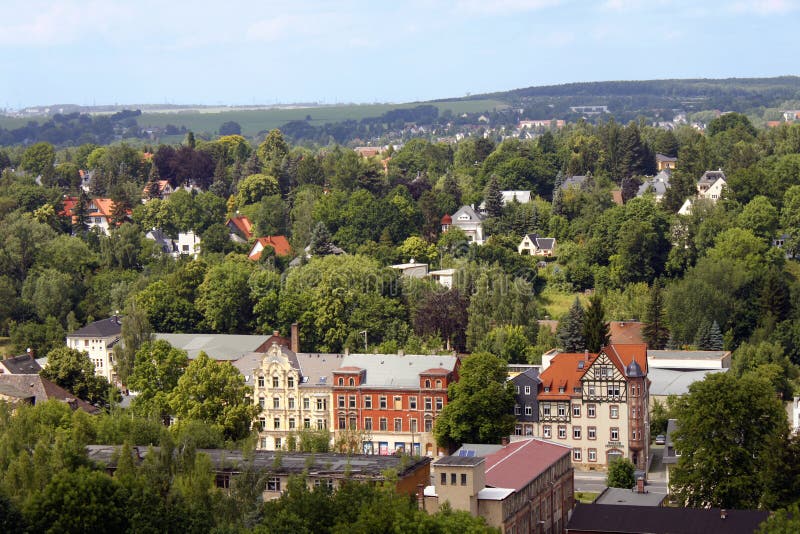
x: 473, y: 215
x: 396, y: 370
x: 546, y: 243
x: 227, y: 347
x: 709, y: 177
x: 658, y: 184
x: 22, y: 365
x: 577, y: 181
x: 103, y: 328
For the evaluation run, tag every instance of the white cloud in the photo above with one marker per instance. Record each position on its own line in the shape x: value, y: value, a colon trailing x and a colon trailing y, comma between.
x: 500, y: 7
x: 765, y: 7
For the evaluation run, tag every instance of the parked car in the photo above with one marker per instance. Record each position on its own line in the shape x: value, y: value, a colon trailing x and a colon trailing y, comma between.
x: 661, y: 439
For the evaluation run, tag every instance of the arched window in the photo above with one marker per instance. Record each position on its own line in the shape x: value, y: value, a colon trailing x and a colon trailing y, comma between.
x: 341, y: 381
x: 427, y: 383
x: 351, y: 382
x: 438, y: 384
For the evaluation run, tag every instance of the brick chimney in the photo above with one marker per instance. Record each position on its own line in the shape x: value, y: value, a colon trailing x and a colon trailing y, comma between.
x: 640, y: 485
x: 421, y: 496
x: 504, y: 441
x: 295, y: 338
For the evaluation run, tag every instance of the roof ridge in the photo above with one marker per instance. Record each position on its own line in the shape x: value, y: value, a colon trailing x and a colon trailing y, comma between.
x: 528, y: 442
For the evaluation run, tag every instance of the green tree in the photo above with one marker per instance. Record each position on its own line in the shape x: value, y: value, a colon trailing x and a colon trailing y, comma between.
x: 720, y: 463
x: 595, y: 328
x: 224, y: 296
x: 214, y: 393
x: 155, y: 375
x: 621, y: 474
x: 320, y: 244
x: 761, y: 217
x: 570, y: 334
x: 494, y: 198
x: 74, y: 371
x: 136, y: 331
x: 655, y: 331
x: 479, y: 405
x: 507, y: 342
x: 784, y: 521
x: 38, y: 159
x: 255, y: 187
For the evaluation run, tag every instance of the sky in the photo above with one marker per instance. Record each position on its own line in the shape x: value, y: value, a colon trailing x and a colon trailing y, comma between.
x: 237, y: 52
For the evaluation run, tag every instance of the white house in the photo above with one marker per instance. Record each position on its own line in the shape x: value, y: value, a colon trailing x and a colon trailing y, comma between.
x: 534, y: 245
x: 711, y: 184
x: 444, y: 277
x: 187, y: 243
x: 657, y: 185
x: 470, y: 222
x: 412, y: 269
x: 97, y: 340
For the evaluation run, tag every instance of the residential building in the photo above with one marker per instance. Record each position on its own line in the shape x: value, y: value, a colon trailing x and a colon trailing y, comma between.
x: 24, y: 364
x: 319, y: 469
x: 526, y: 407
x: 541, y: 123
x: 98, y: 213
x: 686, y: 360
x: 187, y: 243
x: 598, y: 404
x: 163, y: 192
x: 97, y: 340
x: 711, y: 185
x: 665, y: 162
x: 657, y: 185
x: 625, y: 332
x: 793, y: 413
x: 392, y: 399
x: 534, y: 245
x: 33, y: 389
x: 444, y: 277
x: 222, y: 347
x: 412, y: 269
x: 523, y: 487
x: 240, y: 228
x: 469, y: 221
x: 523, y: 197
x: 604, y: 518
x: 279, y: 243
x: 578, y: 182
x: 293, y: 392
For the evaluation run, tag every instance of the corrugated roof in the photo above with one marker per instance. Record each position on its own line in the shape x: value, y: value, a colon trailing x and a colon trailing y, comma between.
x: 396, y: 370
x: 517, y: 464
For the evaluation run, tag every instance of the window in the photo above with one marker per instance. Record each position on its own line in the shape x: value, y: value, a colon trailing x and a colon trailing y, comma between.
x: 428, y: 384
x: 444, y: 479
x: 276, y: 402
x: 428, y: 404
x: 412, y: 424
x: 321, y: 424
x: 328, y: 483
x: 306, y: 403
x: 562, y: 389
x: 322, y: 404
x: 306, y: 422
x: 633, y: 390
x: 615, y: 434
x: 262, y: 423
x: 592, y: 454
x: 274, y: 484
x: 98, y: 220
x: 291, y: 403
x: 633, y: 412
x: 576, y: 410
x: 439, y: 404
x: 613, y: 411
x: 576, y: 455
x: 527, y: 390
x: 340, y: 400
x: 562, y: 410
x: 341, y: 381
x: 290, y: 382
x: 261, y: 381
x: 398, y: 403
x: 398, y: 424
x: 591, y: 432
x: 528, y: 410
x: 368, y: 402
x: 292, y: 425
x: 591, y: 410
x: 613, y: 389
x: 262, y: 402
x: 383, y: 424
x: 463, y: 479
x: 412, y: 403
x: 276, y: 423
x: 186, y: 248
x: 428, y: 425
x: 275, y: 381
x: 633, y: 435
x: 368, y: 423
x: 518, y: 430
x: 562, y: 431
x: 517, y: 389
x: 452, y: 479
x: 352, y: 402
x: 438, y: 384
x: 383, y: 402
x: 576, y: 432
x: 517, y: 409
x: 591, y: 391
x: 547, y: 389
x: 263, y: 443
x: 351, y: 382
x: 546, y: 410
x: 546, y: 432
x: 353, y: 422
x: 342, y: 423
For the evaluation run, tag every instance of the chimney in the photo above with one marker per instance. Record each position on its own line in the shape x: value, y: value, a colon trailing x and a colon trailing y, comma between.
x: 276, y: 333
x: 640, y: 485
x: 504, y: 441
x: 586, y: 353
x: 295, y: 335
x: 347, y: 351
x: 723, y: 513
x: 421, y: 496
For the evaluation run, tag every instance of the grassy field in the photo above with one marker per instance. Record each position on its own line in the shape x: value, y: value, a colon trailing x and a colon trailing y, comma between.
x: 5, y: 346
x: 557, y: 303
x: 586, y: 497
x: 252, y: 121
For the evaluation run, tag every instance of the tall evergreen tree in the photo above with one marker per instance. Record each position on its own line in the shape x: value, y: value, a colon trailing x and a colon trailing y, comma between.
x: 702, y: 338
x: 714, y: 337
x: 655, y: 332
x: 595, y: 328
x: 450, y: 187
x: 494, y: 198
x: 80, y: 214
x: 570, y: 332
x: 320, y: 244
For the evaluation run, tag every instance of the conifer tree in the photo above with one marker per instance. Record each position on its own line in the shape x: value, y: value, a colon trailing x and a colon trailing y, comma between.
x: 655, y: 332
x: 595, y: 328
x: 570, y: 330
x: 702, y: 337
x: 320, y: 244
x: 80, y: 214
x: 714, y: 337
x: 450, y: 187
x: 494, y: 198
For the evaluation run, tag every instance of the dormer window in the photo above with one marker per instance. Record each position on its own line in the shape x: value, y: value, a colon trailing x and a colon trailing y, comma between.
x: 561, y: 390
x: 547, y: 389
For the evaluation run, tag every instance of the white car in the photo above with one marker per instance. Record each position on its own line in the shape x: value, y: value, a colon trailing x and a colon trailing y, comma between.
x: 661, y: 439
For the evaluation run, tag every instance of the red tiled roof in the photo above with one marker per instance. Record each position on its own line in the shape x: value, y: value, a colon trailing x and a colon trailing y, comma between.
x: 626, y: 353
x: 242, y: 224
x: 516, y: 464
x: 564, y: 372
x: 104, y: 207
x: 626, y: 332
x: 278, y: 242
x: 447, y: 219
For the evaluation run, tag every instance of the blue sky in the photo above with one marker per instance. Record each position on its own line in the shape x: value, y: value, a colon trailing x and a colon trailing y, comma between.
x: 241, y: 52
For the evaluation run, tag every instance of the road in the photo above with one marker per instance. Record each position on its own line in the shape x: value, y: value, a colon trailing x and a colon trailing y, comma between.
x: 595, y: 481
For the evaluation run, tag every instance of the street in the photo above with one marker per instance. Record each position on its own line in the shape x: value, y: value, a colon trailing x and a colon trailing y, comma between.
x: 595, y: 481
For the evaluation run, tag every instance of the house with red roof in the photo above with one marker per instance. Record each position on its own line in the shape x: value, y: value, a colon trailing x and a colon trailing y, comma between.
x: 99, y: 212
x: 240, y: 227
x: 524, y: 486
x: 597, y: 404
x: 278, y: 242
